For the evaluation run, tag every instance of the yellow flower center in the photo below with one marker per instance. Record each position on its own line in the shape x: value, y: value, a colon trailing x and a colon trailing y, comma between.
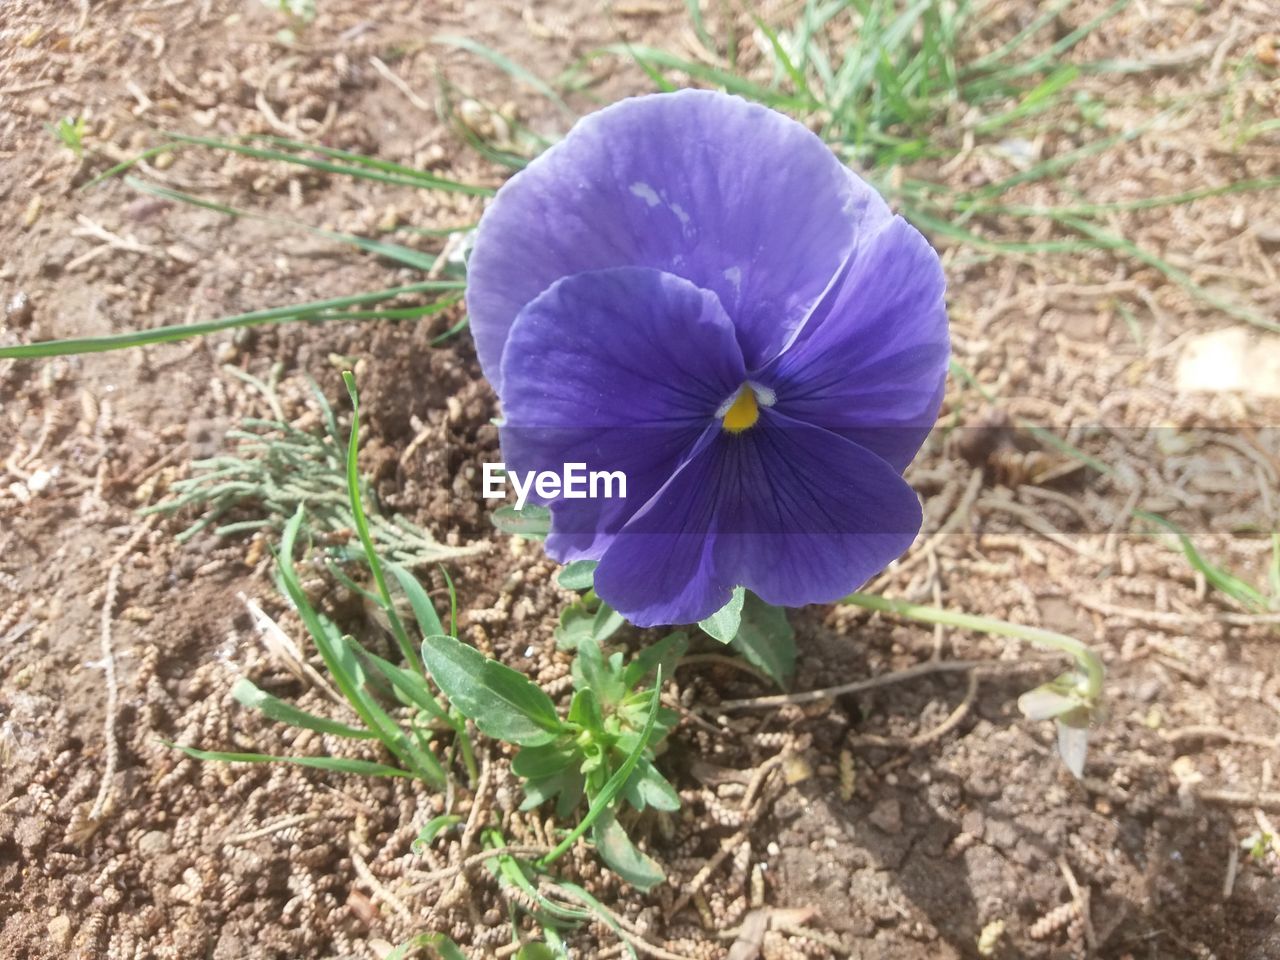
x: 743, y: 412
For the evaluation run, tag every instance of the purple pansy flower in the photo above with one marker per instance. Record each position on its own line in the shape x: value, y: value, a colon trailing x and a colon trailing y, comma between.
x: 691, y: 289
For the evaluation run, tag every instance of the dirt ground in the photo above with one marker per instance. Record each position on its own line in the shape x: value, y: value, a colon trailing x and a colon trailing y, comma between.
x: 908, y: 821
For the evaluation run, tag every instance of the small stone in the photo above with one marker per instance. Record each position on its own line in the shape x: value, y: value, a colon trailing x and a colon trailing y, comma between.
x: 1001, y: 834
x: 887, y: 815
x: 1147, y: 691
x: 32, y: 211
x: 154, y: 843
x: 19, y: 309
x: 60, y: 931
x: 39, y: 481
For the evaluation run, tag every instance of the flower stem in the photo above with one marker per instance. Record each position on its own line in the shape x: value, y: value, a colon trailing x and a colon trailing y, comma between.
x: 1088, y: 661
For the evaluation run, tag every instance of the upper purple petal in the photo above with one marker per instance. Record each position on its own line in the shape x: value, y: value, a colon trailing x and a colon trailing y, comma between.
x: 870, y: 362
x: 733, y: 196
x: 618, y: 369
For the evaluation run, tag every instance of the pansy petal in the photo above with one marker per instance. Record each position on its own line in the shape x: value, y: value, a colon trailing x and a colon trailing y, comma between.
x: 660, y: 569
x: 792, y: 512
x: 806, y: 516
x: 618, y: 370
x: 871, y: 361
x: 733, y: 196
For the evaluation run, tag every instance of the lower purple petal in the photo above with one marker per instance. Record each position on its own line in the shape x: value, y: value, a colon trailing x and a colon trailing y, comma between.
x: 790, y: 511
x: 807, y: 516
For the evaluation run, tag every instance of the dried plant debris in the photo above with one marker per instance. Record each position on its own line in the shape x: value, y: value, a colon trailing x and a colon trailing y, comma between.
x: 274, y: 467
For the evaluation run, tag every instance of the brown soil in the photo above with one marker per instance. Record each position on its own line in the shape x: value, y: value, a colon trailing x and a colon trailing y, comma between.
x: 898, y: 823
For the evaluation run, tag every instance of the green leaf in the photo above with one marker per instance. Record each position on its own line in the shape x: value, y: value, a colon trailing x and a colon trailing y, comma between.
x: 356, y: 165
x: 622, y: 857
x: 410, y: 688
x: 248, y: 694
x: 438, y: 943
x: 424, y: 611
x: 585, y: 712
x: 649, y: 788
x: 339, y: 657
x: 606, y: 623
x: 1273, y: 574
x: 532, y: 523
x: 547, y: 760
x: 356, y: 498
x: 535, y: 951
x: 577, y: 623
x: 335, y: 764
x: 315, y: 310
x: 515, y: 872
x: 602, y: 801
x: 579, y: 575
x: 593, y: 672
x: 603, y: 915
x: 503, y: 703
x: 569, y: 785
x: 664, y: 654
x: 723, y: 624
x: 765, y: 639
x: 406, y: 256
x: 514, y: 70
x: 433, y: 828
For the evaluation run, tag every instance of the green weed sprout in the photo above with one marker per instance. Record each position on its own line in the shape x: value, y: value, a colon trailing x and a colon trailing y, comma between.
x: 70, y: 131
x: 359, y: 674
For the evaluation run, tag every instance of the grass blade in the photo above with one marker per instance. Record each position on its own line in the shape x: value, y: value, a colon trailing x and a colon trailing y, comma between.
x: 508, y: 67
x: 247, y: 693
x: 362, y: 167
x: 313, y: 311
x: 392, y: 251
x: 1247, y: 595
x: 339, y: 657
x: 364, y: 768
x: 362, y: 527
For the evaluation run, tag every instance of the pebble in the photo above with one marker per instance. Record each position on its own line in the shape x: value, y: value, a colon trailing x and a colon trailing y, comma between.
x: 153, y: 843
x: 39, y: 481
x: 60, y: 931
x: 19, y: 309
x: 887, y: 815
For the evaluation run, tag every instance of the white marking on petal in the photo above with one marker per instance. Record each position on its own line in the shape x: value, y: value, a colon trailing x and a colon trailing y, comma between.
x: 681, y: 214
x: 646, y: 193
x: 734, y: 276
x: 765, y: 396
